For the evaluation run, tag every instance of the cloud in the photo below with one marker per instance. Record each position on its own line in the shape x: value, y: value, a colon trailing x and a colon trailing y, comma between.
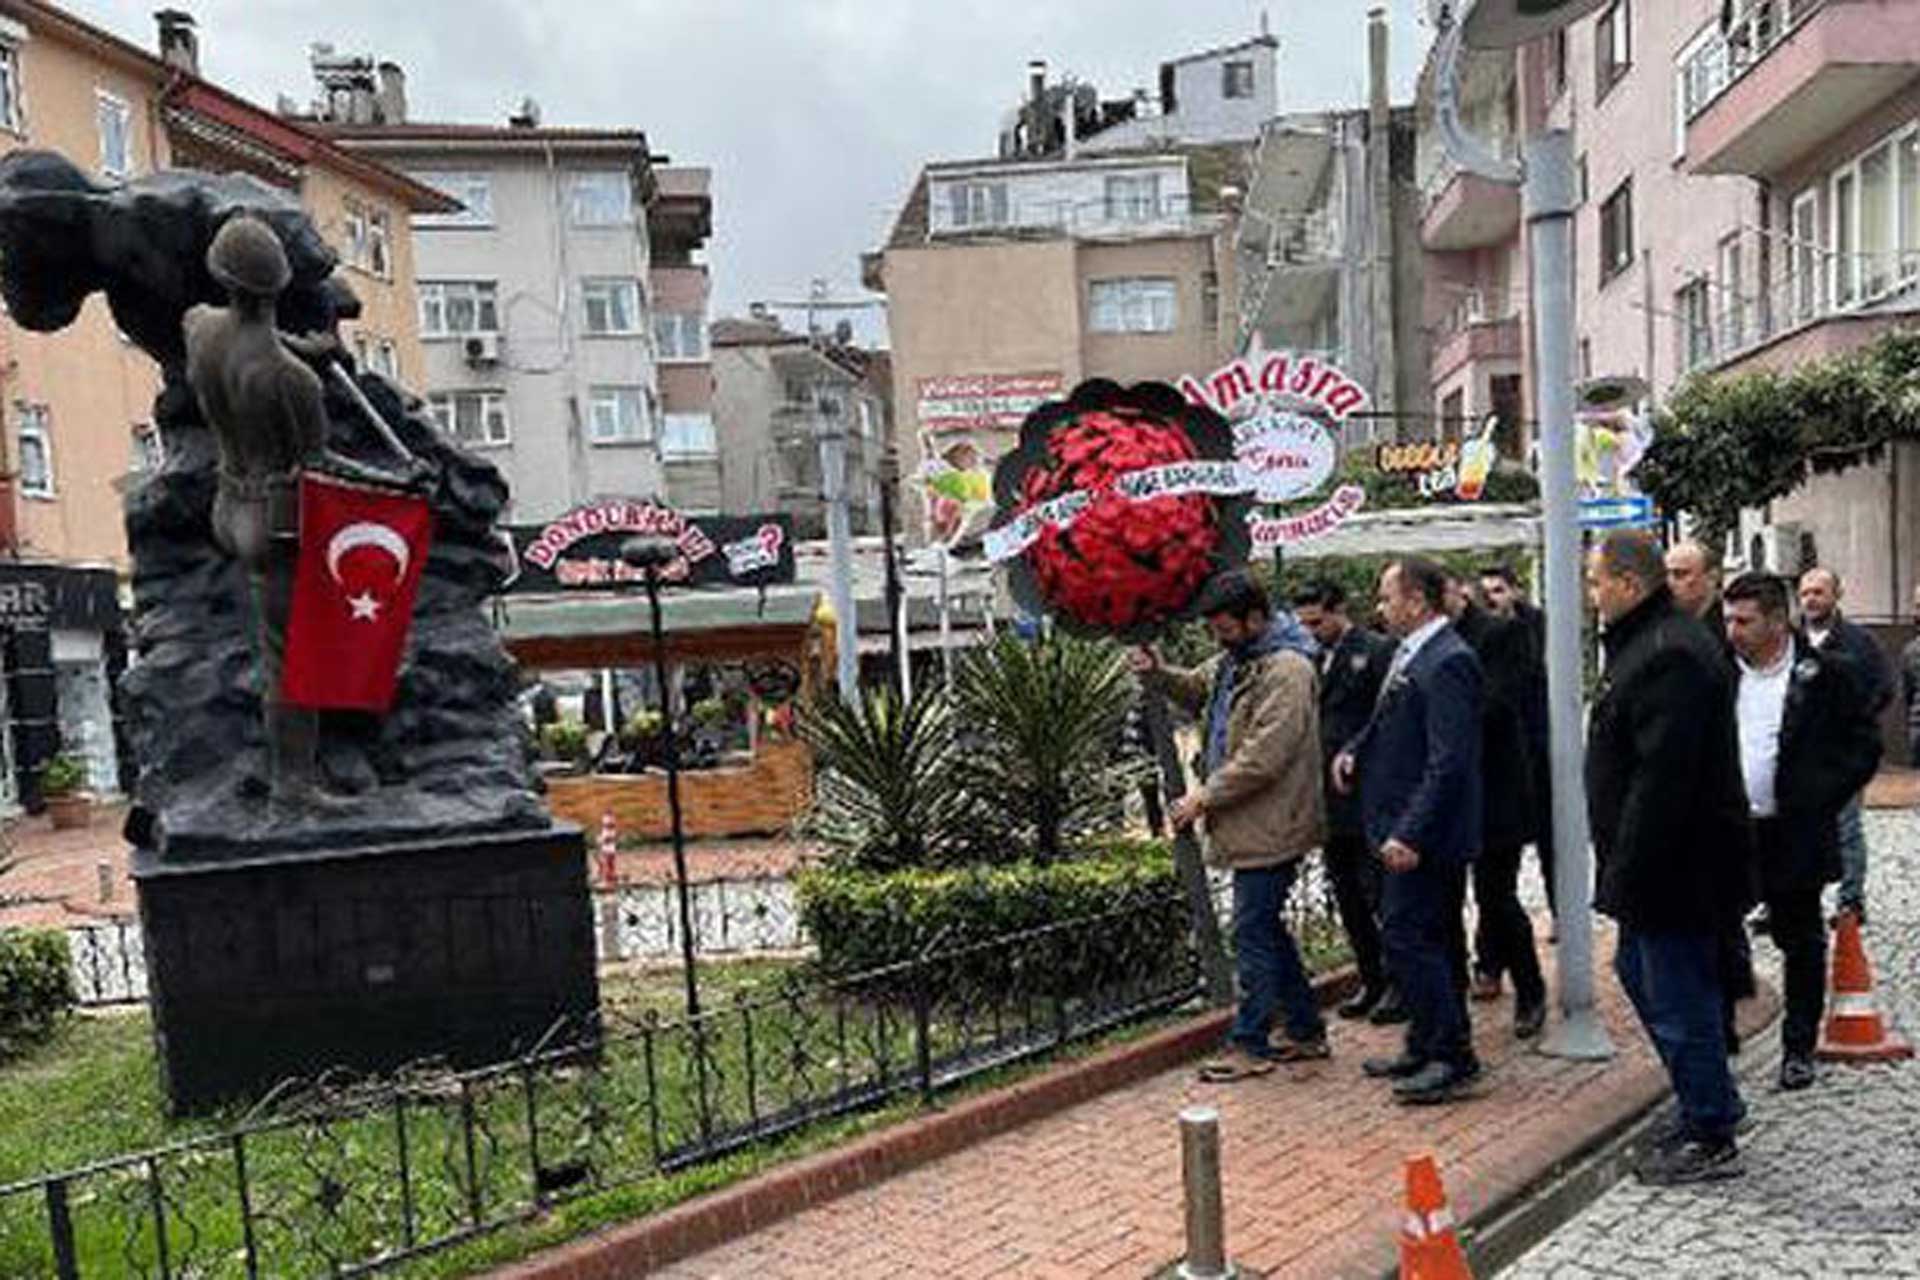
x: 815, y: 115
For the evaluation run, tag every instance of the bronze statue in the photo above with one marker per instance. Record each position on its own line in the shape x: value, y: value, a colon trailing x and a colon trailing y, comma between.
x: 268, y: 414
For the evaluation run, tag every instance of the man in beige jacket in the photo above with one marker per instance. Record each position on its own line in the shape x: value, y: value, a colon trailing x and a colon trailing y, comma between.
x: 1260, y: 805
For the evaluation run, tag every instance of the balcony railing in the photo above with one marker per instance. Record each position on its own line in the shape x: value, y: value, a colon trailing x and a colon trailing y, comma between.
x: 1117, y: 217
x: 1719, y: 320
x: 1717, y: 65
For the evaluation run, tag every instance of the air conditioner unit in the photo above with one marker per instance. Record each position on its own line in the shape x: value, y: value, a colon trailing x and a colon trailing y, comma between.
x: 483, y: 349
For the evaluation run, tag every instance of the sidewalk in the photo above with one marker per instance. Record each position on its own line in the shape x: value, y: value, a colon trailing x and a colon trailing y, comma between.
x: 1312, y: 1158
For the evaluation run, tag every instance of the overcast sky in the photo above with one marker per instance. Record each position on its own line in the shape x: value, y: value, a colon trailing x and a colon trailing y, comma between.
x: 814, y: 115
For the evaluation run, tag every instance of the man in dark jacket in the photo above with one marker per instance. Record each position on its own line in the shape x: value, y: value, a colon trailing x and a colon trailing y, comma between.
x: 1670, y: 837
x: 1503, y: 943
x: 1502, y: 595
x: 1829, y: 630
x: 1417, y: 763
x: 1353, y: 665
x: 1807, y: 745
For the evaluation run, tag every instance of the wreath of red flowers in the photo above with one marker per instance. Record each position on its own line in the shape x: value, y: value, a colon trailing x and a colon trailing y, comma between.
x: 1124, y: 566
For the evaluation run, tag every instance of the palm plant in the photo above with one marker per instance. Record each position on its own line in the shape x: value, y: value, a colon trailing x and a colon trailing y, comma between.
x: 1042, y: 758
x: 887, y: 787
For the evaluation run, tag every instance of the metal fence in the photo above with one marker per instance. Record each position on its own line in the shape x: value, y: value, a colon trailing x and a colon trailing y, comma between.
x: 732, y: 918
x: 346, y: 1179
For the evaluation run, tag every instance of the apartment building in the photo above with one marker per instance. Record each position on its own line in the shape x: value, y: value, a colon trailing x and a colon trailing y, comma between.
x: 777, y: 394
x: 78, y: 404
x: 552, y: 341
x: 1750, y: 198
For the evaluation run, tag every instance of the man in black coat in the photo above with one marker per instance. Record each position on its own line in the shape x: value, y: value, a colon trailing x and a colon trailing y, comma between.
x: 1831, y: 631
x: 1671, y: 839
x: 1502, y: 595
x: 1503, y: 942
x: 1353, y: 664
x: 1417, y: 764
x: 1807, y: 746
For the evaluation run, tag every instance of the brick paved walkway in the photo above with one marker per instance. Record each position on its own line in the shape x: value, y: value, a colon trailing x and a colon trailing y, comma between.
x: 1313, y: 1161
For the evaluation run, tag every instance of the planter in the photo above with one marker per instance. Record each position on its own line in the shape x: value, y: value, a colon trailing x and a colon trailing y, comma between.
x: 70, y: 812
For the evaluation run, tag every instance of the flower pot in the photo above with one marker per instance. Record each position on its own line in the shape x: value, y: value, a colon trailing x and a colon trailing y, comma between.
x: 70, y: 812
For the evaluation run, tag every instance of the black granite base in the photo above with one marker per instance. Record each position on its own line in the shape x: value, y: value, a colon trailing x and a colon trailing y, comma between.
x: 462, y: 950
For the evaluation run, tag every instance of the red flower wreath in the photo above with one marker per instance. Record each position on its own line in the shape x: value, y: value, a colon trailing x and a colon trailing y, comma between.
x: 1121, y: 565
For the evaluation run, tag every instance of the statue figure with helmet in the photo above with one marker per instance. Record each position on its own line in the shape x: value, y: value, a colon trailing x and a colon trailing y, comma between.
x: 268, y: 414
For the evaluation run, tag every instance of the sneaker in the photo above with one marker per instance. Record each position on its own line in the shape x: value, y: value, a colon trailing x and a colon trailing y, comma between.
x: 1234, y: 1064
x: 1796, y: 1072
x: 1287, y: 1049
x: 1690, y: 1160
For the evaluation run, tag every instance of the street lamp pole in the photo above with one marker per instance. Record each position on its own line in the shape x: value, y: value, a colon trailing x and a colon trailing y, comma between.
x: 896, y: 620
x: 1549, y: 190
x: 650, y: 555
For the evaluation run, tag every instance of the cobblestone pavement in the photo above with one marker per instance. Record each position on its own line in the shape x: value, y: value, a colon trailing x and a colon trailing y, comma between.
x: 1833, y: 1182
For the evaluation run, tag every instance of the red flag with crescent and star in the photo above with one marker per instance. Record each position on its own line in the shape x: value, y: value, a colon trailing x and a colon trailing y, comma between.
x: 361, y: 552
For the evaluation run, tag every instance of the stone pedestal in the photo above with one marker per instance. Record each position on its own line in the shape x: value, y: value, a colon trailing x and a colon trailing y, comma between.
x: 463, y: 950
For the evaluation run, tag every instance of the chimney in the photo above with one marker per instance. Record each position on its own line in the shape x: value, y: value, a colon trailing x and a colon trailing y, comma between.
x: 1036, y: 81
x: 179, y: 46
x: 392, y: 94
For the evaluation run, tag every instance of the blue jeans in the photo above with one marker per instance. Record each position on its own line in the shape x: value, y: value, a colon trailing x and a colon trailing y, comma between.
x: 1271, y: 975
x: 1673, y: 980
x: 1853, y: 855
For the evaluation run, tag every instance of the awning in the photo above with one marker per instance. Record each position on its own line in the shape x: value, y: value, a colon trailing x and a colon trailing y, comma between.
x: 1425, y: 530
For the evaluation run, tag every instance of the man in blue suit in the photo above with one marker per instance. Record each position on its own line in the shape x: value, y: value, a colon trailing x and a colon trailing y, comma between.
x: 1418, y: 766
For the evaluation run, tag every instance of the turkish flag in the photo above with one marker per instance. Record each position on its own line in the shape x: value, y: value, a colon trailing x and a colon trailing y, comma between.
x: 361, y: 553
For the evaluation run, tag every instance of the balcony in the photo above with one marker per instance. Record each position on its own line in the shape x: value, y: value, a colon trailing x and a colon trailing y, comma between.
x: 1467, y: 211
x: 1475, y: 334
x: 1790, y: 75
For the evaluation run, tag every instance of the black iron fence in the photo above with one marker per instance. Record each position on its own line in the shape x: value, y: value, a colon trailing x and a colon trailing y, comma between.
x: 343, y: 1178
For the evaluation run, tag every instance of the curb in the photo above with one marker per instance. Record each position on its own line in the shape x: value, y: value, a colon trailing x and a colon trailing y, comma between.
x: 680, y: 1232
x: 1512, y: 1225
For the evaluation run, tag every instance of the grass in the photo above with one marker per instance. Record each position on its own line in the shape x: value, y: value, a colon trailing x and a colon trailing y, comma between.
x: 329, y: 1194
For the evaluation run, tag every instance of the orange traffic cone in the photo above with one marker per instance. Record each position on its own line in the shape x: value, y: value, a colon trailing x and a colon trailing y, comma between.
x: 1855, y: 1031
x: 1429, y: 1250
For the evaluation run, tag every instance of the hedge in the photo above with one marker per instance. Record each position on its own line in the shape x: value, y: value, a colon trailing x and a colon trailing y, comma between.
x: 864, y: 921
x: 36, y: 987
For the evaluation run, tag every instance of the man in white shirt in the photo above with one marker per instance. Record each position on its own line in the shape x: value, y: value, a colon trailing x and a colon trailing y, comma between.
x: 1807, y: 743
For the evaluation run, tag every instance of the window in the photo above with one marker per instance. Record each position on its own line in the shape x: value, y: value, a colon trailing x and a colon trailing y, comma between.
x: 1616, y: 231
x: 613, y: 306
x: 1875, y: 247
x: 12, y: 117
x: 386, y: 359
x: 369, y: 240
x: 1807, y: 282
x: 1236, y: 80
x: 1144, y: 305
x: 617, y: 415
x: 36, y: 451
x: 471, y: 417
x: 680, y: 335
x: 1845, y: 266
x: 685, y: 436
x: 1133, y: 197
x: 1453, y: 414
x: 1612, y: 47
x: 115, y: 120
x: 1733, y: 303
x: 978, y: 204
x: 1874, y: 228
x: 149, y: 450
x: 1557, y: 63
x: 474, y: 190
x: 1694, y: 305
x: 602, y: 199
x: 1910, y: 205
x: 456, y: 308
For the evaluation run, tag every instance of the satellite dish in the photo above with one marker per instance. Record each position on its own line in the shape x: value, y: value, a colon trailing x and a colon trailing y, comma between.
x: 1508, y: 24
x: 1597, y: 395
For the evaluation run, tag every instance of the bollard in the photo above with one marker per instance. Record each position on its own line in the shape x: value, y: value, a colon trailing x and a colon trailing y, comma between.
x: 104, y: 870
x: 1200, y: 1171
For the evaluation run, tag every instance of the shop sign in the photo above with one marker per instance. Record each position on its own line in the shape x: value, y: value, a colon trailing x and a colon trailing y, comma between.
x: 1444, y: 467
x: 983, y: 401
x: 581, y: 549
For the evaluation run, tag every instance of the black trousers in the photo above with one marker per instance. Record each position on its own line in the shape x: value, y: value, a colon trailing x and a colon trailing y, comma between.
x: 1426, y: 950
x: 1503, y: 941
x: 1800, y: 931
x: 1355, y: 873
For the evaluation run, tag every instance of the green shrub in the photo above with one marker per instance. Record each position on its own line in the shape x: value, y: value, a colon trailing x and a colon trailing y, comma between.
x: 864, y: 921
x: 564, y: 740
x: 888, y: 794
x: 63, y: 775
x: 36, y: 987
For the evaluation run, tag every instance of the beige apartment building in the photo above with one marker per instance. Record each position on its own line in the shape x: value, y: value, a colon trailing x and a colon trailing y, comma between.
x: 1008, y: 281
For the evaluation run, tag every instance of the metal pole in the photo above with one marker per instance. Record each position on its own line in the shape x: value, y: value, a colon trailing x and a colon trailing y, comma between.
x: 1200, y: 1174
x: 1215, y: 973
x: 673, y: 796
x: 1549, y: 196
x: 833, y: 487
x: 946, y: 624
x: 896, y: 620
